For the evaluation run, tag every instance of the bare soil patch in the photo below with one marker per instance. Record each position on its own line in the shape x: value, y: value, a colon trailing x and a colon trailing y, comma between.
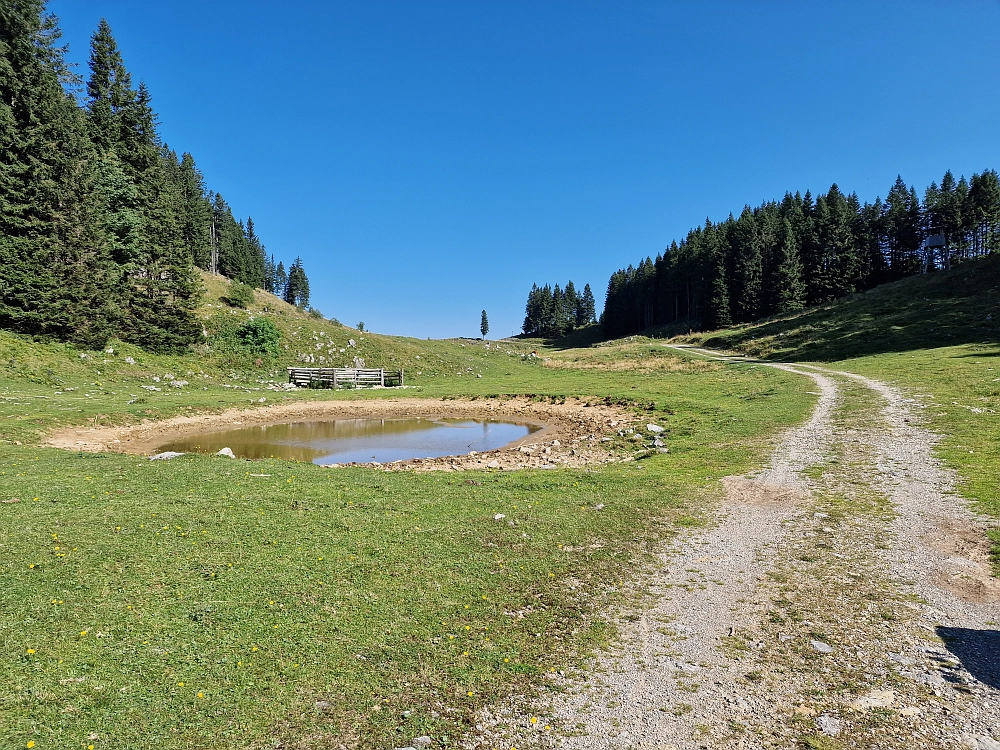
x: 573, y: 433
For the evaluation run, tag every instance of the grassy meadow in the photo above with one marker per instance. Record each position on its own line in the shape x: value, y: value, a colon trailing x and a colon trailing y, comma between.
x: 206, y: 602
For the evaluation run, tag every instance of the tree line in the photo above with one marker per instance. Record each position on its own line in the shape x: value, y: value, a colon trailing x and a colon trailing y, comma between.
x: 101, y: 224
x: 551, y: 311
x: 798, y: 252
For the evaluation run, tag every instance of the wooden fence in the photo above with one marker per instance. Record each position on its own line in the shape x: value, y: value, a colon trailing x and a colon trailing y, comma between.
x: 343, y: 377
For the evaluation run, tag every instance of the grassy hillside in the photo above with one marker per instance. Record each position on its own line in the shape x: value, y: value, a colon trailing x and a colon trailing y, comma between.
x: 211, y: 603
x: 945, y: 308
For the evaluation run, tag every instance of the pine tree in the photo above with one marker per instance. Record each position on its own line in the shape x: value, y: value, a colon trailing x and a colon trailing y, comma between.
x: 484, y: 325
x: 158, y: 289
x: 297, y: 289
x: 54, y: 271
x: 585, y: 309
x: 791, y: 291
x: 280, y: 281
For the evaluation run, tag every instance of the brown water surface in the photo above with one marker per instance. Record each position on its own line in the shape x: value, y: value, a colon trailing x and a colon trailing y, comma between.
x: 357, y: 440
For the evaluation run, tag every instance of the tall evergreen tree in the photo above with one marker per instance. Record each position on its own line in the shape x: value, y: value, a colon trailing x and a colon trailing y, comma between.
x: 54, y: 272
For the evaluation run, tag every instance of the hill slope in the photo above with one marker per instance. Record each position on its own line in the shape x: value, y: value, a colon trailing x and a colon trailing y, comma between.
x: 945, y: 308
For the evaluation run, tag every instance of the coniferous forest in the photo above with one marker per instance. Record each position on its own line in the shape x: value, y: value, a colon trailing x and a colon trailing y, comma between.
x: 552, y: 311
x: 101, y: 224
x: 798, y: 252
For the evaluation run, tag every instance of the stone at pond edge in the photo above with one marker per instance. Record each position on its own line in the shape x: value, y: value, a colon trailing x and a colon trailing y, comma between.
x: 828, y: 725
x: 493, y: 464
x: 226, y: 452
x: 165, y: 456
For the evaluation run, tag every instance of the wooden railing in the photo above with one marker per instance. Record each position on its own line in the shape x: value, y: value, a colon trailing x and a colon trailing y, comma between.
x: 343, y: 377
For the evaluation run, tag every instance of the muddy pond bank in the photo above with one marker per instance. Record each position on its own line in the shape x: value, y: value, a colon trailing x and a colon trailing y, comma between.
x: 572, y: 433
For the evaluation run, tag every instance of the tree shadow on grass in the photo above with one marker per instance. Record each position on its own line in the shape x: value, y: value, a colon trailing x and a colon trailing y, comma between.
x: 978, y: 650
x: 944, y: 308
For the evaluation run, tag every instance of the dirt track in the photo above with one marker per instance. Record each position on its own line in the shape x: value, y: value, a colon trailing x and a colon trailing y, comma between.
x: 842, y: 599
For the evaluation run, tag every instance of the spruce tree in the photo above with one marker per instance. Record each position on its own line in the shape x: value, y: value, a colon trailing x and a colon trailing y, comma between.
x: 54, y: 271
x: 484, y: 325
x: 791, y: 291
x: 586, y: 308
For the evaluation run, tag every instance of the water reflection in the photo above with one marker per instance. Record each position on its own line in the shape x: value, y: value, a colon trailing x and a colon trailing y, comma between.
x: 357, y: 440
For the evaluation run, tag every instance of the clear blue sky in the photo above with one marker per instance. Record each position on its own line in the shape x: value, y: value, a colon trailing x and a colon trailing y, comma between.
x: 431, y: 159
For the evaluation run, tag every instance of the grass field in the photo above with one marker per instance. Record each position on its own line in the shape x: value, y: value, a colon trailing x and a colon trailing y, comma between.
x: 204, y: 602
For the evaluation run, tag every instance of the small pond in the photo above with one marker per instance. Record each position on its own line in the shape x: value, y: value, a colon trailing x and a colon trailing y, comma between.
x: 341, y: 441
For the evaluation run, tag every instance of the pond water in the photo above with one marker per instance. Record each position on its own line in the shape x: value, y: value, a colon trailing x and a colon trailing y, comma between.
x: 340, y: 441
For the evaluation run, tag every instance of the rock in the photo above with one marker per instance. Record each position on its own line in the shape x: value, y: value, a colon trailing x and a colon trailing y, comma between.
x: 663, y: 450
x: 978, y: 742
x: 599, y: 506
x: 499, y: 517
x: 351, y: 343
x: 823, y: 648
x: 654, y: 428
x: 874, y: 699
x: 322, y: 705
x: 657, y: 443
x: 526, y: 449
x: 226, y: 452
x: 422, y: 741
x: 494, y: 464
x: 828, y: 725
x: 129, y: 360
x: 556, y: 443
x: 165, y: 456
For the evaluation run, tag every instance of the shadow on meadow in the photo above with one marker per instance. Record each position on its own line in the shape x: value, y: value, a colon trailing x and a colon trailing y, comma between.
x: 944, y: 308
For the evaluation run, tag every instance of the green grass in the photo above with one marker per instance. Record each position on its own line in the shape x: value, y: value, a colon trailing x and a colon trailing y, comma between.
x: 189, y: 604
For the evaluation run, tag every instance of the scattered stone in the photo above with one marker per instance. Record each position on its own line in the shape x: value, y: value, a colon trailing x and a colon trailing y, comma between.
x: 12, y: 500
x: 874, y: 699
x: 422, y: 741
x: 499, y: 517
x: 322, y: 705
x: 654, y: 428
x: 663, y: 450
x: 165, y: 456
x: 979, y: 742
x: 129, y: 360
x: 351, y: 343
x: 829, y: 725
x: 657, y: 443
x: 599, y: 506
x: 556, y: 443
x: 494, y: 464
x: 823, y: 648
x: 226, y: 452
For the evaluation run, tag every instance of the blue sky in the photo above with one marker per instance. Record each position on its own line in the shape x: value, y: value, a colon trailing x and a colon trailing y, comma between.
x: 431, y: 159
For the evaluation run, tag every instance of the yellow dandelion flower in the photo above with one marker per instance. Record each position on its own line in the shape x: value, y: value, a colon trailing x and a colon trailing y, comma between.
x: 254, y: 648
x: 470, y: 693
x: 201, y: 695
x: 465, y: 653
x: 506, y: 659
x: 31, y: 650
x: 180, y: 684
x: 83, y: 632
x: 31, y: 743
x: 534, y: 719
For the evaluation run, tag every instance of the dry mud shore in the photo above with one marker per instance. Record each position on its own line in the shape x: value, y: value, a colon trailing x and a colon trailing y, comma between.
x: 573, y: 433
x: 842, y: 599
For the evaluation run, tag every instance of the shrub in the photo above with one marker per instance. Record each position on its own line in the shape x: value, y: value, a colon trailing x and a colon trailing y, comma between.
x: 259, y: 336
x: 239, y: 294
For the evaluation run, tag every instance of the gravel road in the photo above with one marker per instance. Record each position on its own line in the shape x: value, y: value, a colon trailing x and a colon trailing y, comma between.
x: 842, y: 598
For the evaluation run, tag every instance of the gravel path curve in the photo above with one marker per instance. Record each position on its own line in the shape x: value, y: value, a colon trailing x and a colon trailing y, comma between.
x: 675, y: 682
